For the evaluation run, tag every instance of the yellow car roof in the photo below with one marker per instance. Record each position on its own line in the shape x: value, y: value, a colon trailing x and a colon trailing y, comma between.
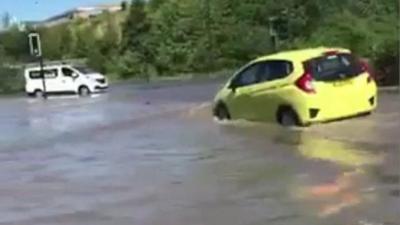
x: 301, y: 55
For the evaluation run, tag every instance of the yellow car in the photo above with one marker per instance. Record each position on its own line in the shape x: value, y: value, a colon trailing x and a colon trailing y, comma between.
x: 299, y: 87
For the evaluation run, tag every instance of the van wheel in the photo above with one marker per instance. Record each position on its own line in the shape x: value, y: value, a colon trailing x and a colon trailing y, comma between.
x: 288, y: 118
x: 38, y: 94
x: 221, y: 112
x: 84, y: 91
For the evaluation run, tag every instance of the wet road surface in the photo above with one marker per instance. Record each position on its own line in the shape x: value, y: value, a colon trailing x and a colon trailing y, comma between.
x: 152, y: 155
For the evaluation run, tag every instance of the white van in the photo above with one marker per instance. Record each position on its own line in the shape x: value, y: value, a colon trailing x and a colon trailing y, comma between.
x: 64, y: 79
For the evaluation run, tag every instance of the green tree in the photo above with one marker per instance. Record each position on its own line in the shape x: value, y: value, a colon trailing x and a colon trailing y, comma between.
x: 155, y: 4
x: 3, y: 56
x: 176, y: 36
x: 134, y: 37
x: 124, y: 5
x: 52, y: 42
x: 69, y: 42
x: 84, y: 42
x: 109, y: 44
x: 111, y: 38
x: 173, y: 32
x: 135, y: 26
x: 15, y: 44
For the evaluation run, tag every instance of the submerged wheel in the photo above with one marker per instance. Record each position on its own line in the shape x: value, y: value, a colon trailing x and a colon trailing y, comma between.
x: 38, y: 94
x: 84, y: 91
x: 221, y: 112
x: 288, y: 118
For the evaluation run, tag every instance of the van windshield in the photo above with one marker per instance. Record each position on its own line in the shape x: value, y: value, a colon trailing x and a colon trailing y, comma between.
x: 84, y: 70
x: 334, y: 67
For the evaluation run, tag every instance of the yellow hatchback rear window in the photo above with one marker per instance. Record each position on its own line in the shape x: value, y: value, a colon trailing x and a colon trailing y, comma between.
x: 334, y: 67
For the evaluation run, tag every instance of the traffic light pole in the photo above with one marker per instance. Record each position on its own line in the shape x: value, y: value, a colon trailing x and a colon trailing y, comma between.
x: 398, y: 46
x: 35, y: 47
x: 42, y: 75
x: 210, y: 44
x: 273, y: 34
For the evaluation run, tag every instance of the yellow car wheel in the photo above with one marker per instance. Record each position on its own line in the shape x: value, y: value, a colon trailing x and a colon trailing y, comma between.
x: 221, y: 112
x: 287, y: 117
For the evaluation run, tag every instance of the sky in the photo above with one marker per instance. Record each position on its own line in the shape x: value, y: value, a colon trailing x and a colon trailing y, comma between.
x: 32, y: 10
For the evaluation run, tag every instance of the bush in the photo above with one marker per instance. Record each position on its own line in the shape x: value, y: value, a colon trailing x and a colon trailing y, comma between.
x: 11, y: 80
x: 387, y: 67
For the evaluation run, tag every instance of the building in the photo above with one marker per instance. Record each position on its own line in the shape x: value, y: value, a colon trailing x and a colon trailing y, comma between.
x: 80, y: 12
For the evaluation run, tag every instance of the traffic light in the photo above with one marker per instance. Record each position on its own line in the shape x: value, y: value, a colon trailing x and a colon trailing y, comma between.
x: 35, y: 45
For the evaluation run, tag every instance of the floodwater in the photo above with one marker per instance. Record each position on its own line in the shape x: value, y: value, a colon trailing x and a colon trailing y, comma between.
x: 152, y: 155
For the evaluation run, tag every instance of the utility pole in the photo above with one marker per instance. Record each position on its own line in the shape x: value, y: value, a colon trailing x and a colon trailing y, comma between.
x: 42, y: 75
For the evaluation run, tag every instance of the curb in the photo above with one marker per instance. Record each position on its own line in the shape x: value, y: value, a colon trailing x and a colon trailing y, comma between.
x: 389, y: 89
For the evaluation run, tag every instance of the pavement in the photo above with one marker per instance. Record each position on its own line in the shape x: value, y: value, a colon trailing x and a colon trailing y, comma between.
x: 153, y: 155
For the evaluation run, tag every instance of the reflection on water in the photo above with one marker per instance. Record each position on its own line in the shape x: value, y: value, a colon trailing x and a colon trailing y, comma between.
x: 337, y: 152
x: 333, y: 197
x: 328, y: 194
x: 345, y: 190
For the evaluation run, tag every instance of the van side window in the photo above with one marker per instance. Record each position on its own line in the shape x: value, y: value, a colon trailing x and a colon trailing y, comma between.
x: 48, y: 74
x: 275, y: 69
x: 67, y: 72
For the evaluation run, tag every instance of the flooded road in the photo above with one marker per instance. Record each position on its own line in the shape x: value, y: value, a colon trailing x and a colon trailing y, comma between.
x: 152, y: 155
